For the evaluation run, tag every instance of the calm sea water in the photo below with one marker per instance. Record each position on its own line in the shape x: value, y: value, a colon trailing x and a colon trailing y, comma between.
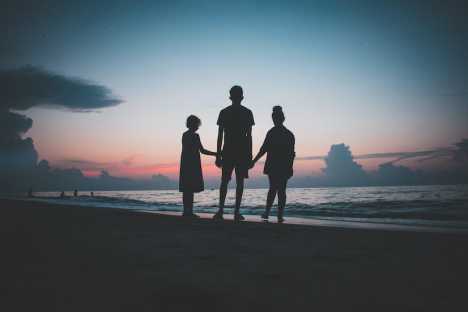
x: 442, y: 206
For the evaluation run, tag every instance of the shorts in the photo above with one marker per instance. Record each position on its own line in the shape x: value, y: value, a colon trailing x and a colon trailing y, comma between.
x: 278, y: 181
x: 241, y: 168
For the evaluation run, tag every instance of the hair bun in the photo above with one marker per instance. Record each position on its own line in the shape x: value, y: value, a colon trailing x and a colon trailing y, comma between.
x: 277, y: 109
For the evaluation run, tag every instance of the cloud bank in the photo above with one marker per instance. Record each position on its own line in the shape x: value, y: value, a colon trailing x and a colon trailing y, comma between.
x: 341, y: 168
x: 27, y: 87
x: 430, y: 154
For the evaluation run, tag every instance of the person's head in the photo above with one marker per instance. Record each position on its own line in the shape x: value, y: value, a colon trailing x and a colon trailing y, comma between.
x: 193, y: 122
x: 277, y: 115
x: 236, y: 94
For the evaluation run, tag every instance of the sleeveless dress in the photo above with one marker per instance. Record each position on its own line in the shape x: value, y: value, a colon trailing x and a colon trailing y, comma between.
x: 191, y: 176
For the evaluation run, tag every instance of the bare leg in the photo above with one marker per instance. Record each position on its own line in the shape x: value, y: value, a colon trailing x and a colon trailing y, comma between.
x: 188, y: 203
x: 222, y: 195
x: 239, y: 193
x: 271, y: 196
x: 270, y: 199
x: 281, y: 199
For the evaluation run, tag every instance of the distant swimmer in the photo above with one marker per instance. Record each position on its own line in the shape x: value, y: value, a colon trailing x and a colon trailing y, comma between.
x: 75, y: 193
x: 92, y: 194
x: 62, y: 195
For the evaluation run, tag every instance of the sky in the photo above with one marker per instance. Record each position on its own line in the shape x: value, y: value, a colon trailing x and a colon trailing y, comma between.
x: 379, y: 76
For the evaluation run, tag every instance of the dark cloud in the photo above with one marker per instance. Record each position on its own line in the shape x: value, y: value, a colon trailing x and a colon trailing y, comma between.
x: 391, y: 174
x: 341, y: 169
x: 310, y: 158
x: 459, y: 152
x: 13, y: 125
x: 85, y: 164
x: 100, y: 166
x: 26, y: 87
x: 18, y: 157
x: 397, y: 155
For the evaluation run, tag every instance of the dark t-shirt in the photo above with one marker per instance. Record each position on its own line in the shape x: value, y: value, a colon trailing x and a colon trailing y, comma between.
x: 236, y: 120
x: 279, y: 145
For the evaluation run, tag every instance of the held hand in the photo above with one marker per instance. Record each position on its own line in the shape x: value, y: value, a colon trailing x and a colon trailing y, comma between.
x: 218, y: 162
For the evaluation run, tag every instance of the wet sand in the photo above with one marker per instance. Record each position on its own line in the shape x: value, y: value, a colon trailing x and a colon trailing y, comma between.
x: 333, y: 223
x: 69, y: 258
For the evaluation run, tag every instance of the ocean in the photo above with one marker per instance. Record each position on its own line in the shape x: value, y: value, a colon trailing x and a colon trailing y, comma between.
x: 443, y: 206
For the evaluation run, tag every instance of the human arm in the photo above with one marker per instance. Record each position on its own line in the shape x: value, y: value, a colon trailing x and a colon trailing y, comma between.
x: 261, y: 152
x: 293, y: 149
x: 259, y: 155
x: 249, y: 142
x: 207, y: 152
x: 249, y: 134
x: 202, y: 149
x: 219, y: 146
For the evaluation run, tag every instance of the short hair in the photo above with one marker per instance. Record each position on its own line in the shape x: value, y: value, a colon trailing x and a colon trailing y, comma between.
x: 236, y: 92
x: 193, y: 122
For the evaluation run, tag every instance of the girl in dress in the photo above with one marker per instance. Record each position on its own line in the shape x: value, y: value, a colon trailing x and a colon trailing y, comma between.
x: 279, y: 147
x: 191, y: 176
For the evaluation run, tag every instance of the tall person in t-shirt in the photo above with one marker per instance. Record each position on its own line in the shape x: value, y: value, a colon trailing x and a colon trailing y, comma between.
x: 235, y: 129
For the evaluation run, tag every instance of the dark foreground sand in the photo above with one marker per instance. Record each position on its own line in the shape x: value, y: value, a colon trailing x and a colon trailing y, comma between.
x: 58, y: 258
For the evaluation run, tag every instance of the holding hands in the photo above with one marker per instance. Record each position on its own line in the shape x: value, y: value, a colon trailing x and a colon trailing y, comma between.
x: 219, y: 161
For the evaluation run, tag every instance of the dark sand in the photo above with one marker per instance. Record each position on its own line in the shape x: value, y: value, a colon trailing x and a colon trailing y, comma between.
x: 59, y: 258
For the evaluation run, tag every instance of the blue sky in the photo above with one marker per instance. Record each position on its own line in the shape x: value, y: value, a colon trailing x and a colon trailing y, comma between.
x: 380, y: 76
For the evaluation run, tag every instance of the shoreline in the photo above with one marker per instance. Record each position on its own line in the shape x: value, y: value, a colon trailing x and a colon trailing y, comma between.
x: 293, y: 220
x: 329, y: 223
x: 72, y: 258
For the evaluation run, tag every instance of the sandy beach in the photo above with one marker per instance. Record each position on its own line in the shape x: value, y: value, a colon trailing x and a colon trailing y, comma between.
x: 69, y: 258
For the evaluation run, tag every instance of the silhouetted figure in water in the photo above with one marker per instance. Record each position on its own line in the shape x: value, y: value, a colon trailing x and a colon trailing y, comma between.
x: 62, y: 195
x: 92, y: 194
x: 30, y: 192
x: 279, y: 147
x: 75, y: 193
x: 191, y: 176
x: 235, y: 127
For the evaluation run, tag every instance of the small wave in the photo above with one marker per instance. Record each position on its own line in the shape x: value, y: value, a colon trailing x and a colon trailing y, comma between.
x: 108, y: 201
x: 359, y: 206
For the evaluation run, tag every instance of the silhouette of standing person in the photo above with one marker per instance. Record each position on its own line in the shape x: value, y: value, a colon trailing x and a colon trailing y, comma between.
x: 235, y: 127
x: 191, y: 176
x: 279, y: 147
